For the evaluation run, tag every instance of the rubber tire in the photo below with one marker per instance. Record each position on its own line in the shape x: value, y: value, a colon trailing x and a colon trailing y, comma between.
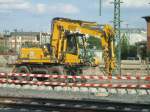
x: 19, y: 70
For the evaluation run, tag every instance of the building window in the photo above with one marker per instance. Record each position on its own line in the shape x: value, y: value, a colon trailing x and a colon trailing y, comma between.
x: 38, y: 37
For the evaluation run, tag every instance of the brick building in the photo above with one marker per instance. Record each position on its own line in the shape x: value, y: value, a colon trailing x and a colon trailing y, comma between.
x: 147, y: 18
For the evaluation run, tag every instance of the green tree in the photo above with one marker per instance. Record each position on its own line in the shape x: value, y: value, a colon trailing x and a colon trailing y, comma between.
x: 132, y: 51
x: 3, y: 49
x: 148, y: 54
x: 92, y: 41
x: 124, y: 47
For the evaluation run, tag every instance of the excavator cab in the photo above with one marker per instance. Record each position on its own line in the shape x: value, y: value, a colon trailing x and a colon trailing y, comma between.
x: 77, y: 47
x: 72, y: 46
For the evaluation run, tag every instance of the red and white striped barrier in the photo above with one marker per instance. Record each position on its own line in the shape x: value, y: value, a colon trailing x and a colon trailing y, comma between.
x: 141, y: 86
x: 100, y: 77
x: 6, y: 79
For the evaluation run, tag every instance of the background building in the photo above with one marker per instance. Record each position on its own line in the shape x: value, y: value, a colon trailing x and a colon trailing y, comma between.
x: 19, y: 39
x: 27, y: 39
x: 147, y: 18
x: 134, y: 35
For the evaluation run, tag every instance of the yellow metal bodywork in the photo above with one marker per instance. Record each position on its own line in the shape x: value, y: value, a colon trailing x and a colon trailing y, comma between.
x: 70, y: 58
x: 33, y: 55
x: 58, y: 44
x: 36, y: 55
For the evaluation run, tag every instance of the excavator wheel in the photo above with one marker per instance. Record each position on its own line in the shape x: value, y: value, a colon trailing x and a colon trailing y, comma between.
x: 76, y: 72
x: 25, y: 70
x: 57, y: 70
x: 80, y: 73
x: 41, y: 72
x: 41, y: 78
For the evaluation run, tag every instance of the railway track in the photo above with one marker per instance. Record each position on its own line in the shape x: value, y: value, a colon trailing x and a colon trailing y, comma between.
x: 61, y: 105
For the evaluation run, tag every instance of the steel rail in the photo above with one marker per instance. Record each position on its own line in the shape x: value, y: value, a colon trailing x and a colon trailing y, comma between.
x: 64, y: 105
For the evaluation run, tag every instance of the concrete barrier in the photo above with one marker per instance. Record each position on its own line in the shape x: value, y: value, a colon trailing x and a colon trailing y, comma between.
x: 81, y: 90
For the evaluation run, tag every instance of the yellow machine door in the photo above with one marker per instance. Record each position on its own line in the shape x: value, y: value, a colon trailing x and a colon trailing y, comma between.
x: 72, y: 53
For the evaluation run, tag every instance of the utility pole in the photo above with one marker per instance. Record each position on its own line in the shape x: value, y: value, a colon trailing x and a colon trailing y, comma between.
x: 117, y: 26
x: 100, y: 7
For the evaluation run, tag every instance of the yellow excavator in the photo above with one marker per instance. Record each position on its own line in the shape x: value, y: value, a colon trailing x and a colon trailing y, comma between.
x: 63, y: 55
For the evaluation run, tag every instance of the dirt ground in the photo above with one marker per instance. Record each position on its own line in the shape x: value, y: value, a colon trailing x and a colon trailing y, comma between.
x: 95, y: 71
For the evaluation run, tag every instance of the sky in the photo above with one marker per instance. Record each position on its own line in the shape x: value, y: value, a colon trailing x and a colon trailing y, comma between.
x: 36, y: 15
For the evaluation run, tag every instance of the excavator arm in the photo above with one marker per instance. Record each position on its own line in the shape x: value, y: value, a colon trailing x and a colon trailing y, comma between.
x: 106, y: 34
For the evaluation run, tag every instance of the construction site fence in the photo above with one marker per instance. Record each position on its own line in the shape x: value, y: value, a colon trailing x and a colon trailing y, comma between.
x: 107, y: 80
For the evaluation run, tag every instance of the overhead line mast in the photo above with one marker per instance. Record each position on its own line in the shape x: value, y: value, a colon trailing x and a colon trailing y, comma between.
x: 117, y: 27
